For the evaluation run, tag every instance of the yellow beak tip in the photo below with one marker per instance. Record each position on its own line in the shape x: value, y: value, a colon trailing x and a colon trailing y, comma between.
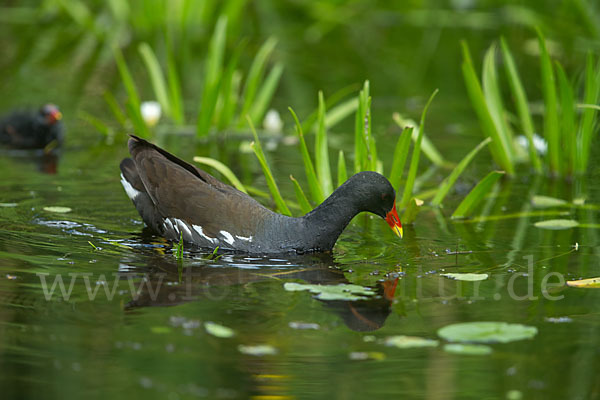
x: 398, y: 231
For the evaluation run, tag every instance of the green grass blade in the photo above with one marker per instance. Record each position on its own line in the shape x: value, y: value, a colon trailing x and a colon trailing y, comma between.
x: 311, y: 176
x: 115, y: 108
x: 567, y: 127
x: 521, y: 103
x: 175, y: 97
x: 370, y: 139
x: 97, y: 123
x: 157, y: 79
x: 493, y: 98
x: 223, y: 170
x: 255, y: 75
x: 305, y: 206
x: 414, y: 161
x: 400, y: 157
x: 214, y: 67
x: 331, y: 103
x: 449, y: 182
x: 126, y: 78
x: 322, y: 151
x: 342, y: 172
x: 360, y: 145
x: 133, y: 102
x: 265, y: 94
x: 139, y: 126
x: 589, y: 115
x: 551, y: 125
x: 476, y: 195
x: 275, y: 193
x: 427, y: 145
x: 409, y: 215
x: 229, y: 89
x: 499, y: 153
x: 340, y: 112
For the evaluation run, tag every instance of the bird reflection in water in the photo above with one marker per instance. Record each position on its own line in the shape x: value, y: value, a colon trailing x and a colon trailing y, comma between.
x: 168, y: 283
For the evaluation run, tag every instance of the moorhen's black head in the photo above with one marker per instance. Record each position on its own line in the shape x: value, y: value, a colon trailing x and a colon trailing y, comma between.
x: 50, y: 114
x: 372, y: 192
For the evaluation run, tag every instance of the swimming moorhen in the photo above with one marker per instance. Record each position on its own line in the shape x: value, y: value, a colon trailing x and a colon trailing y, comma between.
x: 32, y: 129
x: 175, y: 198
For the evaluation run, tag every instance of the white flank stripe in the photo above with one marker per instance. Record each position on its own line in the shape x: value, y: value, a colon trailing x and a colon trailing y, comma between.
x: 244, y: 238
x: 132, y: 193
x: 198, y: 229
x: 228, y: 238
x: 184, y: 228
x: 168, y: 224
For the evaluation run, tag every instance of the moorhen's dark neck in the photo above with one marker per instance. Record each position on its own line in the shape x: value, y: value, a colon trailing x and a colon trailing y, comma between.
x: 327, y: 221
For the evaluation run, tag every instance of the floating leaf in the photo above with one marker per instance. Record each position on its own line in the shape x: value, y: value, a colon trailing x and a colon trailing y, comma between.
x: 332, y: 292
x: 57, y: 209
x: 304, y: 325
x: 471, y: 349
x: 585, y: 283
x: 557, y: 224
x: 258, y: 350
x: 367, y: 355
x: 486, y: 332
x: 407, y: 342
x: 546, y: 201
x: 466, y: 277
x: 160, y: 329
x: 218, y: 330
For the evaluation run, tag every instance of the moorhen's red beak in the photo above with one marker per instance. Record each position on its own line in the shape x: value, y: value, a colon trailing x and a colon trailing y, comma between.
x: 54, y: 116
x: 394, y: 221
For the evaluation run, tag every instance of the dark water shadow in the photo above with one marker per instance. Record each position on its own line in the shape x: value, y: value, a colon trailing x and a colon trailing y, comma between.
x: 171, y: 282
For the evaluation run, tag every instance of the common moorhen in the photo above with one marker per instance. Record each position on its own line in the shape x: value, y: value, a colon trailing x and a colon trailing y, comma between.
x: 32, y: 129
x: 175, y: 198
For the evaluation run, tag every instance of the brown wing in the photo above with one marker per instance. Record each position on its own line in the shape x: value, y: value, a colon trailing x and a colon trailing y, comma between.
x: 180, y: 190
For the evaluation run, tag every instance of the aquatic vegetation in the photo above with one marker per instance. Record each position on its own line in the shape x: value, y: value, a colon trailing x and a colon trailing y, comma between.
x: 585, y: 283
x: 348, y: 292
x: 469, y: 349
x: 569, y: 124
x: 320, y: 178
x: 486, y: 332
x: 471, y: 277
x: 557, y: 224
x: 223, y: 103
x: 409, y: 342
x: 218, y: 330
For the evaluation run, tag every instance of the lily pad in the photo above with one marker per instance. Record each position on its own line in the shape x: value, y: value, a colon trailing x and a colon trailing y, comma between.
x: 407, y: 342
x: 58, y: 209
x: 585, y: 283
x: 466, y: 277
x: 218, y: 330
x: 547, y: 202
x: 486, y: 332
x: 332, y: 292
x: 471, y: 349
x: 367, y: 355
x: 160, y: 329
x: 258, y: 350
x: 557, y: 224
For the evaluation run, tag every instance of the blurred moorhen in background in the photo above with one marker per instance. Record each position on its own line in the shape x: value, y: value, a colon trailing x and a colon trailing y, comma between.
x: 32, y: 129
x: 175, y: 198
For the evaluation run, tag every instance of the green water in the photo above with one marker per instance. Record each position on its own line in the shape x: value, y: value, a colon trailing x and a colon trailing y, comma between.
x: 131, y: 320
x: 117, y: 344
